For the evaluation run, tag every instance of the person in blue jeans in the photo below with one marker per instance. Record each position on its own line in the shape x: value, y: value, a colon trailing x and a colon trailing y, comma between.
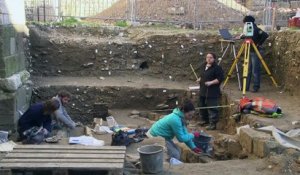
x: 174, y: 125
x: 259, y: 37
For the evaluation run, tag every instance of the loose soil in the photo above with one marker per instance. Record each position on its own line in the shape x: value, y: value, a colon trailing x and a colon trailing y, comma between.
x: 127, y: 89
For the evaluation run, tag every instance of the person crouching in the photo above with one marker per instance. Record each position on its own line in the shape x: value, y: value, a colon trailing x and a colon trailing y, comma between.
x: 35, y: 124
x: 174, y: 125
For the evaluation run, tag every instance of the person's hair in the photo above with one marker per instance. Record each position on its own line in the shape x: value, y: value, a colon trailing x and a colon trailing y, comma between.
x: 50, y: 106
x: 213, y: 54
x: 64, y: 93
x: 248, y: 19
x: 187, y: 106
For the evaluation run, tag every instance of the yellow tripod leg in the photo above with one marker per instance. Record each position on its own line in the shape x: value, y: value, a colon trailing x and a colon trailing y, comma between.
x: 246, y: 67
x: 236, y: 59
x: 264, y: 64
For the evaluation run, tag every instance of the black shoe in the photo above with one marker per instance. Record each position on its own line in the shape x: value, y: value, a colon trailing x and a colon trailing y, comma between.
x: 254, y: 90
x: 211, y: 126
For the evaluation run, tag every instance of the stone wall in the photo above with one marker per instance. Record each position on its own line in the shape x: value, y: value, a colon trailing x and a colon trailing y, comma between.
x: 14, y: 91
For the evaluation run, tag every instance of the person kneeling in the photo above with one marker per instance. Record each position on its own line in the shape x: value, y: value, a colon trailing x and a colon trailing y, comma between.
x: 174, y: 125
x: 35, y: 124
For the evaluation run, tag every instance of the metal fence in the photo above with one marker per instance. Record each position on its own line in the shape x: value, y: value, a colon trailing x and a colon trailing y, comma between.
x: 56, y: 10
x: 184, y: 12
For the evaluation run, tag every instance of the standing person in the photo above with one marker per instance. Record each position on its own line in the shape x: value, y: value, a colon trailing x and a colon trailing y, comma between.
x: 174, y: 125
x: 60, y: 115
x: 35, y: 124
x: 259, y: 37
x: 211, y: 77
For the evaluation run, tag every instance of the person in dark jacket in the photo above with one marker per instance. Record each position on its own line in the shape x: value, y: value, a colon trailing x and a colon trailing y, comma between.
x: 35, y: 124
x: 211, y: 76
x: 259, y: 37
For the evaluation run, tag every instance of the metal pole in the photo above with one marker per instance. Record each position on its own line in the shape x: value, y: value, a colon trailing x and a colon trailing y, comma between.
x: 44, y: 10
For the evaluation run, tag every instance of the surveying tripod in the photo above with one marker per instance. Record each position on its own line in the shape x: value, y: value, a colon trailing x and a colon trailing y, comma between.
x: 231, y: 46
x: 246, y: 46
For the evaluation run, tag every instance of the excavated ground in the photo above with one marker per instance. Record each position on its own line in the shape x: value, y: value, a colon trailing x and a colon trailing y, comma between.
x: 61, y: 60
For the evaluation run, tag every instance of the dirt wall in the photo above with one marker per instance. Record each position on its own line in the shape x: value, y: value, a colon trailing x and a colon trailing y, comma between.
x: 284, y: 60
x: 65, y: 52
x: 81, y: 107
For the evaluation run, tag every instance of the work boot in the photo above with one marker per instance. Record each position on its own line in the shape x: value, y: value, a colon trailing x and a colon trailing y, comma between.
x: 211, y: 126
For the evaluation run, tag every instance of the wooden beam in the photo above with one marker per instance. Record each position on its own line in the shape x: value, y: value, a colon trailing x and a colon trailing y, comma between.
x: 73, y: 166
x: 72, y: 147
x: 62, y: 161
x: 70, y: 151
x: 65, y: 156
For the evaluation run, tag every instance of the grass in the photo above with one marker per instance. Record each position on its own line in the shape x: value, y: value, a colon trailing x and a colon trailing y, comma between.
x: 68, y: 22
x: 121, y: 23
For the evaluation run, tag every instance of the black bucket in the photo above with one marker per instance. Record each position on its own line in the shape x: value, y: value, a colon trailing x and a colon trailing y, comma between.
x: 203, y: 142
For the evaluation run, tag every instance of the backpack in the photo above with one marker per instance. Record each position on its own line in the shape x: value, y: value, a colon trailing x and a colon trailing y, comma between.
x: 260, y: 104
x: 265, y: 106
x: 121, y: 138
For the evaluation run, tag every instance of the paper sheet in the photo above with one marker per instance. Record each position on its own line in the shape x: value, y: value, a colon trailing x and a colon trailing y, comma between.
x: 86, y: 140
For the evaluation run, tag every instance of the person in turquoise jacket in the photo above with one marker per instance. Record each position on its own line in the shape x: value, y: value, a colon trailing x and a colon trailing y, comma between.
x: 174, y: 125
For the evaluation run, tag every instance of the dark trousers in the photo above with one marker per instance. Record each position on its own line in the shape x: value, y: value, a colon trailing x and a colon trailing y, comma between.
x: 210, y: 115
x: 254, y: 70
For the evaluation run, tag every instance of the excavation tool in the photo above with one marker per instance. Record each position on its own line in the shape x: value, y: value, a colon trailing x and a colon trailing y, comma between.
x: 246, y: 46
x: 230, y: 40
x: 194, y: 72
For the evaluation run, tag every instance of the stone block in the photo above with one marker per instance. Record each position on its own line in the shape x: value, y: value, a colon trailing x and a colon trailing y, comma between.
x: 7, y: 32
x: 12, y: 83
x: 7, y: 103
x: 263, y: 147
x: 9, y: 65
x: 249, y: 139
x: 12, y: 105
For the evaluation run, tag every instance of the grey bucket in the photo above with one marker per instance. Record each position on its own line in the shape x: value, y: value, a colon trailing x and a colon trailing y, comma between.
x: 151, y: 158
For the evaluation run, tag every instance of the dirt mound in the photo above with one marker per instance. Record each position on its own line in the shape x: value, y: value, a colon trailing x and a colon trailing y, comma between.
x: 156, y: 10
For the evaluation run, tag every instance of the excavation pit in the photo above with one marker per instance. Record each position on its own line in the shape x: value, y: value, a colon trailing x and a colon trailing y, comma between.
x: 147, y: 72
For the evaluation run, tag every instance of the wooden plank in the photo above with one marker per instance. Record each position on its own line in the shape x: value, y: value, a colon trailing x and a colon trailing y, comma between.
x: 91, y: 166
x: 71, y: 151
x: 62, y: 161
x: 72, y: 147
x: 64, y: 156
